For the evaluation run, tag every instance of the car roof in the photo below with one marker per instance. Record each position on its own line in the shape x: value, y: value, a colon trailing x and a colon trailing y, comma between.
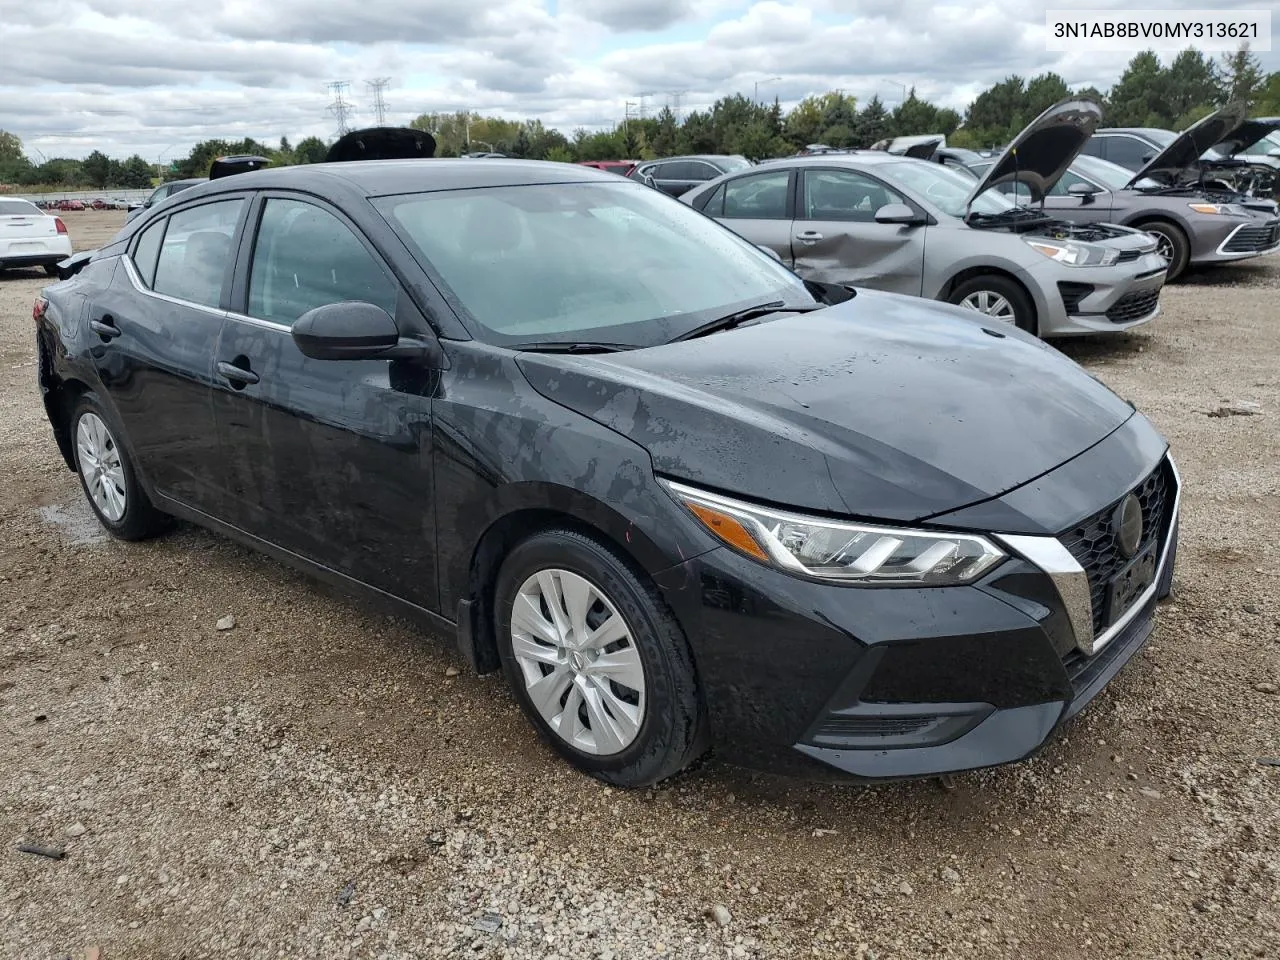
x: 374, y: 178
x: 868, y: 157
x: 1142, y: 131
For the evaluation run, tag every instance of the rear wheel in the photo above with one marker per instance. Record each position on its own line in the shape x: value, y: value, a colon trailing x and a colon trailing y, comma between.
x: 997, y: 297
x: 51, y: 269
x: 1172, y: 244
x: 107, y: 475
x: 596, y: 660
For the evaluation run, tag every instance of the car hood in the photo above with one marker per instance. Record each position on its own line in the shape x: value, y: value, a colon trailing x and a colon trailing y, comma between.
x: 1182, y: 156
x: 1041, y: 153
x: 885, y: 407
x: 1246, y: 135
x: 382, y: 143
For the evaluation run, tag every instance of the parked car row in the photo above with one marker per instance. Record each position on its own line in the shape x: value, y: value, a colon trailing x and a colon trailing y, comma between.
x: 30, y: 237
x: 703, y: 501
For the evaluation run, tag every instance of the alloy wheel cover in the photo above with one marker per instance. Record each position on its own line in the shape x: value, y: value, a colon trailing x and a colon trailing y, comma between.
x: 98, y: 458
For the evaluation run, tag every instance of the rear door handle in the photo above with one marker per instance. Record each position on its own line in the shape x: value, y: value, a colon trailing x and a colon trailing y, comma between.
x: 105, y: 328
x: 237, y: 375
x: 809, y: 236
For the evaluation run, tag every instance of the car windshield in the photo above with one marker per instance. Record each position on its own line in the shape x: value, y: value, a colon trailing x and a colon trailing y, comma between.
x: 946, y: 189
x: 734, y: 164
x: 614, y: 263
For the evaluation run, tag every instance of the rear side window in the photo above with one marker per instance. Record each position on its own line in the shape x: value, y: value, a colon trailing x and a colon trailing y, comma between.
x: 146, y: 249
x: 196, y: 252
x: 759, y: 197
x: 305, y: 257
x: 1128, y: 151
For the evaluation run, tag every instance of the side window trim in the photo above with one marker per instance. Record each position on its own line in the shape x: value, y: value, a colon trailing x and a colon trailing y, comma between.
x: 136, y: 279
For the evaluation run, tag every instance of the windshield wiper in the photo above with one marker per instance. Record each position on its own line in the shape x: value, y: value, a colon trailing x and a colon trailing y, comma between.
x: 571, y: 346
x: 739, y: 317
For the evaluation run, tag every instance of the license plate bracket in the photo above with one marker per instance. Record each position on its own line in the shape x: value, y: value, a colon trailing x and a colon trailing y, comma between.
x: 1129, y: 584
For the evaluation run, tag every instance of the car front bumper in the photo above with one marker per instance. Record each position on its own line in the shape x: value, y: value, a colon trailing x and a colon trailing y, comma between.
x: 1227, y: 239
x: 848, y: 683
x: 1077, y: 301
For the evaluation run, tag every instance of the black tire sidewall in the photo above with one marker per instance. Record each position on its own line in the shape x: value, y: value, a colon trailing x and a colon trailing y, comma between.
x: 139, y: 517
x: 1181, y: 247
x: 1024, y: 310
x: 668, y: 727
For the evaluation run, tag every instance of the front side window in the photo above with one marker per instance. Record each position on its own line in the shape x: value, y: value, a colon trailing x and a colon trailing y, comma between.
x: 944, y: 188
x: 1128, y: 152
x: 759, y: 197
x: 196, y: 252
x: 844, y: 195
x: 305, y: 257
x: 605, y: 262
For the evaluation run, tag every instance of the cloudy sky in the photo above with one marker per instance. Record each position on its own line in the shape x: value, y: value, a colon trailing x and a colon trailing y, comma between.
x: 155, y: 76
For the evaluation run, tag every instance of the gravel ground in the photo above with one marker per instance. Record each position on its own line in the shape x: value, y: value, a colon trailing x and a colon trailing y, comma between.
x: 318, y: 781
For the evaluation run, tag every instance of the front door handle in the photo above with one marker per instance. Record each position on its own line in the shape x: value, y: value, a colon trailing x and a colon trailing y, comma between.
x: 105, y: 328
x: 239, y: 376
x: 809, y: 236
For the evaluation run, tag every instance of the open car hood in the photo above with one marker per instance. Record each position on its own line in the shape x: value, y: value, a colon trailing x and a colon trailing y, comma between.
x: 1039, y: 155
x: 383, y: 143
x: 1180, y: 160
x: 1246, y: 135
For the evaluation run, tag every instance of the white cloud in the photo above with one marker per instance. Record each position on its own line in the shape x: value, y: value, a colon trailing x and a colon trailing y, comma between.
x: 150, y: 75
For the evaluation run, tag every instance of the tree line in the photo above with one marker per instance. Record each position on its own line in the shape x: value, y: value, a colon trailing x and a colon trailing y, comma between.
x: 1147, y: 94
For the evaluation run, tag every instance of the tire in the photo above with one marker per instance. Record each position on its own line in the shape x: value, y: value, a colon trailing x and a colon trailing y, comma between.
x: 997, y: 290
x: 1173, y: 241
x: 114, y: 494
x: 658, y: 706
x: 50, y: 269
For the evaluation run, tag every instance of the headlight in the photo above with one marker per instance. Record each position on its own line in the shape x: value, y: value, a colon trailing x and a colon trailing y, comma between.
x: 1219, y: 209
x: 855, y: 554
x: 1074, y: 254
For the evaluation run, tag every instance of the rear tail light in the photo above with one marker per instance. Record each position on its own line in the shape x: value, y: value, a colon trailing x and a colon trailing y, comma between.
x: 62, y: 227
x: 39, y: 308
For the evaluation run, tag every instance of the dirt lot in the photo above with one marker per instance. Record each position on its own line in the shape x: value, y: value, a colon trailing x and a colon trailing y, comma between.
x: 314, y: 783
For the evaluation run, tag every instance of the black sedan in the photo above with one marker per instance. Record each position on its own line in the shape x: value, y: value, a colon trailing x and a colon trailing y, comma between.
x: 681, y: 497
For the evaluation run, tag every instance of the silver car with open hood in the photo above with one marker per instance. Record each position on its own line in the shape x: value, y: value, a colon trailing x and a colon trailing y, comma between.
x: 910, y: 226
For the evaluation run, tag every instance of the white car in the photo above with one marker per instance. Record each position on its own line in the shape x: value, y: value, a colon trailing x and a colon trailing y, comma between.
x: 29, y: 237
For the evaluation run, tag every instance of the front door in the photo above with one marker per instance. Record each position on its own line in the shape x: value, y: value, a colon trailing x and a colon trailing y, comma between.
x: 837, y: 240
x: 329, y: 459
x: 156, y: 329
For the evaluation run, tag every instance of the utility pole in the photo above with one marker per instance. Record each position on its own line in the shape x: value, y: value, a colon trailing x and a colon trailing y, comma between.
x: 897, y: 83
x: 379, y: 105
x: 756, y: 96
x: 340, y: 107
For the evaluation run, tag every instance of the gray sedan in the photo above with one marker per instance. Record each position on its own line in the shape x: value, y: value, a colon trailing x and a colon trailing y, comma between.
x: 910, y: 226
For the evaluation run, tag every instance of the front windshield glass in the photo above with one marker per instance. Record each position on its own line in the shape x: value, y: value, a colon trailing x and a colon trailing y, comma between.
x: 615, y: 263
x: 946, y: 189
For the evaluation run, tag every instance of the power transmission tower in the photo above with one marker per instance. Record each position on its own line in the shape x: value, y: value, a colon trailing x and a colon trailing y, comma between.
x: 340, y: 107
x: 644, y: 102
x: 626, y: 117
x: 676, y: 97
x: 379, y: 105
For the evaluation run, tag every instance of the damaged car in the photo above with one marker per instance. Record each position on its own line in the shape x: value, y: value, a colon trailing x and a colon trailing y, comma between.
x: 1182, y: 195
x: 681, y: 497
x: 906, y: 225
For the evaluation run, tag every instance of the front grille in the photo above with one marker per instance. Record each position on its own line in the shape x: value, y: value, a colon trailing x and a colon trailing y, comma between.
x: 1093, y: 542
x: 1134, y: 306
x: 1072, y: 293
x: 1253, y: 239
x: 850, y: 727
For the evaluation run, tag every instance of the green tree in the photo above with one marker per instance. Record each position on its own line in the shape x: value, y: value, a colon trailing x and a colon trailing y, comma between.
x: 872, y: 124
x: 1042, y: 93
x: 135, y: 173
x: 97, y: 169
x: 1268, y: 99
x: 803, y: 125
x: 1190, y: 83
x: 14, y: 165
x: 310, y: 150
x: 992, y: 117
x: 666, y: 134
x: 1242, y: 76
x: 1137, y: 99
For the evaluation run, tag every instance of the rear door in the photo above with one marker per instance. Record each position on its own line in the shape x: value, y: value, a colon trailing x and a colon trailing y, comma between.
x: 329, y: 459
x: 757, y: 207
x: 837, y: 240
x: 155, y: 332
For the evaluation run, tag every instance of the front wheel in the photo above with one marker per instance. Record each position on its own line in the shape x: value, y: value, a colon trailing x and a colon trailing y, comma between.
x: 107, y: 475
x: 597, y: 661
x: 1172, y: 244
x: 997, y: 297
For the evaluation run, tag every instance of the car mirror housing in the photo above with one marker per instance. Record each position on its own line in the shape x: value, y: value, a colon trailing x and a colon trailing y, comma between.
x: 354, y: 330
x: 898, y: 213
x: 1085, y: 191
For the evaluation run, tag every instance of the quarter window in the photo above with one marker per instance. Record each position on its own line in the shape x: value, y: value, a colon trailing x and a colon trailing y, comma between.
x: 144, y: 253
x: 844, y: 195
x: 196, y: 252
x: 762, y: 196
x: 305, y: 257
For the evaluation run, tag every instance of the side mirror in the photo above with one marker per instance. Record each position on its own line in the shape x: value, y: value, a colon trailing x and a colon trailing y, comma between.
x: 1274, y: 154
x: 1085, y: 191
x: 770, y: 251
x: 353, y: 330
x: 898, y: 213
